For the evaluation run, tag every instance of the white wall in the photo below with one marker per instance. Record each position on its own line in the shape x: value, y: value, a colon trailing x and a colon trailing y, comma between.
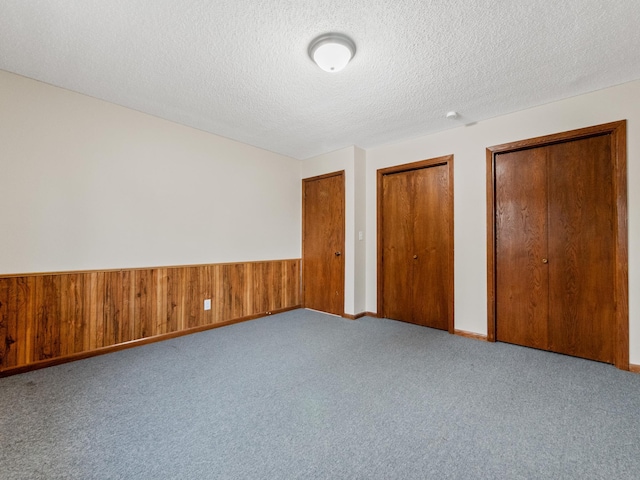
x: 360, y: 227
x: 85, y: 184
x: 468, y: 144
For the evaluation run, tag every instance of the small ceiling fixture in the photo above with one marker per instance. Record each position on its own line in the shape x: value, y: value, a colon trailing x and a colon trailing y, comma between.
x: 452, y: 115
x: 332, y: 51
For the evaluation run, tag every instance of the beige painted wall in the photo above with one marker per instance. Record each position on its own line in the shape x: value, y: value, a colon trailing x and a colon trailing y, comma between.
x: 468, y: 144
x: 85, y: 184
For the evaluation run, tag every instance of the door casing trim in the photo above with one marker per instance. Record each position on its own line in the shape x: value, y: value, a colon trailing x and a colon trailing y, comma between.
x: 618, y: 132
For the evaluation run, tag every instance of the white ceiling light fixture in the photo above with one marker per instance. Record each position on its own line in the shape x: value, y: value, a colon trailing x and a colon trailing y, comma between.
x: 332, y: 51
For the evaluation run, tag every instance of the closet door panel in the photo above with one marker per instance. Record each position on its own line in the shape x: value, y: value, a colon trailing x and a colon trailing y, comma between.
x: 431, y: 246
x: 522, y: 282
x: 397, y: 256
x: 581, y: 248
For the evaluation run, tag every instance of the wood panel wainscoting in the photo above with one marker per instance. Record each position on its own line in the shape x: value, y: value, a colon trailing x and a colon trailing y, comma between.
x: 51, y: 318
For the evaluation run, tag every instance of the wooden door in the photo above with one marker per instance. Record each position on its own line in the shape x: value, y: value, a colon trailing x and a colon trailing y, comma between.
x: 522, y: 280
x: 323, y: 227
x: 433, y: 247
x: 560, y: 247
x: 581, y: 249
x: 416, y: 243
x: 397, y: 241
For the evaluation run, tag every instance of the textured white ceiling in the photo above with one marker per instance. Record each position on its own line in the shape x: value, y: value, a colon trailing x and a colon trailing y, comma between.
x: 239, y: 68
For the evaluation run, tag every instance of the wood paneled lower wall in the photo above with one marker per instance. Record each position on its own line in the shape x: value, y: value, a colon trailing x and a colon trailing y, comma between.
x: 65, y: 315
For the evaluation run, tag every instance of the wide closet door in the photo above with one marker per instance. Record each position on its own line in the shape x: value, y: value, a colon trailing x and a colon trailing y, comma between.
x: 416, y: 243
x: 555, y: 248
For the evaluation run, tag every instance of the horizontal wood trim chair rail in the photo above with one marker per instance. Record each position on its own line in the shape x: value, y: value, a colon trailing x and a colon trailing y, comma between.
x: 50, y: 318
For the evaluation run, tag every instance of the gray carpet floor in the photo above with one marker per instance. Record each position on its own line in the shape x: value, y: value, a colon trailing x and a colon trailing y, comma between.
x: 302, y: 395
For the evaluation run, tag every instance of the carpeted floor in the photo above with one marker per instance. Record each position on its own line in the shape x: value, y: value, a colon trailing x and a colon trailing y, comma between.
x: 302, y: 395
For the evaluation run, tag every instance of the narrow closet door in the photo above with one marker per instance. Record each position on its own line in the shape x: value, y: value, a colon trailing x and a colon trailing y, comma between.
x: 581, y: 248
x: 431, y: 246
x: 397, y: 241
x: 522, y: 276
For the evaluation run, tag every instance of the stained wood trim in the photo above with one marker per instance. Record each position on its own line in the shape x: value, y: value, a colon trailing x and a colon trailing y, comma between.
x: 475, y: 336
x: 634, y: 368
x: 360, y: 315
x: 133, y: 343
x: 323, y: 176
x: 406, y: 167
x: 491, y: 246
x: 619, y: 141
x: 572, y: 135
x: 134, y: 269
x: 63, y: 315
x: 618, y: 132
x: 354, y: 317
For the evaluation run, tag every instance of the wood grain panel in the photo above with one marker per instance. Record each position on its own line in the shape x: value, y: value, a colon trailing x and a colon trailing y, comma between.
x: 175, y: 301
x: 291, y: 277
x: 262, y: 272
x: 397, y: 244
x: 47, y: 339
x: 8, y: 322
x: 113, y: 298
x: 26, y: 312
x: 72, y: 321
x: 323, y: 220
x: 128, y: 306
x: 90, y: 300
x: 142, y: 309
x: 522, y: 277
x: 581, y: 249
x: 277, y: 276
x: 48, y: 317
x: 431, y: 245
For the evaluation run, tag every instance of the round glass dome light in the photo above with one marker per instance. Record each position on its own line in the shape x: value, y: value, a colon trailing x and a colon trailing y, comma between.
x: 332, y: 51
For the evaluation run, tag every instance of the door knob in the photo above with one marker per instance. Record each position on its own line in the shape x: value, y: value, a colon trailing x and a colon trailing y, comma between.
x: 338, y: 254
x: 545, y: 260
x: 415, y: 257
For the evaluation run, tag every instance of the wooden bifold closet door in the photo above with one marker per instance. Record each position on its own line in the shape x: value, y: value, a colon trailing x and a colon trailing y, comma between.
x: 556, y: 241
x: 416, y: 244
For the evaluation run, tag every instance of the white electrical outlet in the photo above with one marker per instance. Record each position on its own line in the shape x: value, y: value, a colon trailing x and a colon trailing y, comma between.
x: 207, y: 304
